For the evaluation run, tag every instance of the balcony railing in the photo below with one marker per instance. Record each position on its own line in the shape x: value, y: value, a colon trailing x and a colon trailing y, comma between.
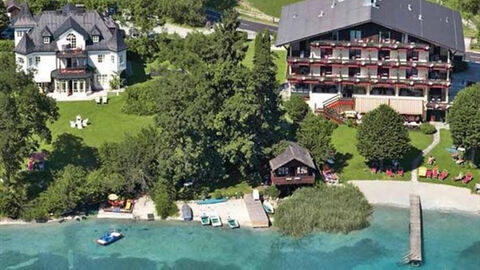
x: 71, y: 52
x: 370, y: 44
x: 359, y: 62
x: 73, y: 70
x: 371, y: 80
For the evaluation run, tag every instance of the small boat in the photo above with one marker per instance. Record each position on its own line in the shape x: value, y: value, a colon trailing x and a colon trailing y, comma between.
x: 205, y: 219
x: 211, y: 201
x: 268, y: 207
x: 216, y: 220
x: 187, y: 213
x: 233, y: 223
x: 109, y: 237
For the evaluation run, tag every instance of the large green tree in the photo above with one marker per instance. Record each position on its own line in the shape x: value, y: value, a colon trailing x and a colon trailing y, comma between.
x: 296, y: 108
x: 4, y: 20
x: 382, y: 135
x: 464, y: 118
x: 24, y: 114
x: 315, y: 133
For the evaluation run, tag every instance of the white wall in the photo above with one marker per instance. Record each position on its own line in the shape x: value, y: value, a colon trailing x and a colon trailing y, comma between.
x: 315, y: 53
x: 19, y: 32
x: 343, y: 52
x: 316, y: 100
x: 44, y: 69
x: 373, y: 54
x: 111, y: 66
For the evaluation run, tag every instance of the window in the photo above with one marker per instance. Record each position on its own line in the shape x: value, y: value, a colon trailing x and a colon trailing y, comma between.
x: 113, y: 58
x: 72, y: 41
x: 282, y: 171
x: 102, y: 79
x: 46, y: 40
x: 355, y: 35
x: 384, y: 36
x: 20, y: 60
x: 37, y: 60
x: 96, y: 39
x: 100, y: 58
x: 335, y: 35
x: 30, y: 61
x: 302, y: 170
x: 120, y: 58
x: 20, y: 33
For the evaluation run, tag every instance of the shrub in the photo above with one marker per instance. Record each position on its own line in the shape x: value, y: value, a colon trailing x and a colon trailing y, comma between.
x: 217, y: 194
x: 350, y: 123
x: 428, y: 128
x: 7, y: 46
x: 163, y: 196
x: 330, y: 209
x: 272, y: 192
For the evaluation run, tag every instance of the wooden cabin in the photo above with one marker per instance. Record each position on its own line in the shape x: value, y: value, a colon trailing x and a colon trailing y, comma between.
x: 294, y: 166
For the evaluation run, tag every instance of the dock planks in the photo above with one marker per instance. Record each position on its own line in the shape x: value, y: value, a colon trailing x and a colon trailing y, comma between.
x: 415, y: 255
x: 258, y: 217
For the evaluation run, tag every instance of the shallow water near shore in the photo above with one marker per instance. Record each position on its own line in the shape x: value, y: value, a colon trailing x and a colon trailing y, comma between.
x: 451, y: 241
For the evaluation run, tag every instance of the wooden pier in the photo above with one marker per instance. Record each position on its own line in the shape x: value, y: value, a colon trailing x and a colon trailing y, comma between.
x: 258, y: 217
x: 415, y: 256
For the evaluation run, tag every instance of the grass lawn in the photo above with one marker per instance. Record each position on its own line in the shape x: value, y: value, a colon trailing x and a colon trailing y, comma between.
x: 444, y: 161
x: 351, y: 165
x: 107, y: 122
x: 279, y: 59
x: 271, y: 7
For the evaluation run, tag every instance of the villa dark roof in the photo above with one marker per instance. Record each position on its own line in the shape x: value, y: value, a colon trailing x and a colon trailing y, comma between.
x: 293, y: 152
x: 46, y: 32
x: 24, y: 17
x: 419, y: 18
x: 85, y: 22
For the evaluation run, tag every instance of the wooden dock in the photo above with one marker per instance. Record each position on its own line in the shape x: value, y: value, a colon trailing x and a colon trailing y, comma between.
x: 258, y: 217
x: 415, y: 256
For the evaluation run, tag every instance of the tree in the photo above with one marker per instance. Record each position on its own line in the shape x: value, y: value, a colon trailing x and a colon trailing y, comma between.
x: 296, y: 108
x: 163, y: 195
x: 4, y: 20
x: 464, y: 118
x: 230, y: 43
x: 382, y: 135
x: 315, y: 133
x: 24, y: 114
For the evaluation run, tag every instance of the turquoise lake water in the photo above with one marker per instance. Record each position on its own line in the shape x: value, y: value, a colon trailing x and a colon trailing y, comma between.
x: 451, y: 241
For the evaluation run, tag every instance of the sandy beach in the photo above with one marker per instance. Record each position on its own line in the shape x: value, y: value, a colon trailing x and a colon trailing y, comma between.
x: 433, y: 196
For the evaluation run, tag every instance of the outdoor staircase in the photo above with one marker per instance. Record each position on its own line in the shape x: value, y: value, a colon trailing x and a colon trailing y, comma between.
x: 332, y: 115
x: 334, y: 106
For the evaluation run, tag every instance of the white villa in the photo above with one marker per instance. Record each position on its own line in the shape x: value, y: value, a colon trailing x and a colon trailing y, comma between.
x: 71, y: 51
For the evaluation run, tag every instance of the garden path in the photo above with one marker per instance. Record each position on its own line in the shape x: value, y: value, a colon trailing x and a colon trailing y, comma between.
x: 417, y: 161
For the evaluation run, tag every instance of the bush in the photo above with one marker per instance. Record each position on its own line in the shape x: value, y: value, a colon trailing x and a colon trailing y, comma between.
x: 428, y: 128
x: 163, y: 196
x: 7, y: 46
x: 141, y: 98
x: 330, y: 209
x: 217, y: 194
x: 350, y: 123
x: 272, y: 192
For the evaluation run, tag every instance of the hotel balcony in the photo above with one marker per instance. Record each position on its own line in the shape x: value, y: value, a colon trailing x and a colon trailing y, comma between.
x: 361, y: 62
x: 375, y: 44
x: 377, y: 81
x: 78, y: 72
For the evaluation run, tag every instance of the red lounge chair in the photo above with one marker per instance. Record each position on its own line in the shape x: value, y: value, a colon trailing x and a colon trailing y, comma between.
x: 435, y: 173
x: 443, y: 175
x: 468, y: 178
x: 400, y: 172
x: 390, y: 173
x: 429, y: 174
x: 374, y: 170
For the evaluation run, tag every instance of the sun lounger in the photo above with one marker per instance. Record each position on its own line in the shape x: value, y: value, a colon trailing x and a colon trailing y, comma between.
x: 429, y: 174
x: 390, y: 173
x: 422, y: 171
x: 468, y: 178
x: 128, y: 205
x: 72, y: 124
x: 458, y: 178
x: 400, y: 172
x: 374, y: 170
x: 435, y: 173
x: 443, y: 175
x: 105, y: 100
x: 98, y: 100
x: 85, y: 123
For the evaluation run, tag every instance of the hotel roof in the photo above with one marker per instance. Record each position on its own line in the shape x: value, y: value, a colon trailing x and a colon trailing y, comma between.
x: 427, y: 21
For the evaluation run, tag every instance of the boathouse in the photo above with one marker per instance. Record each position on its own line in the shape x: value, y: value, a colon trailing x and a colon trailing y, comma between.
x: 294, y: 166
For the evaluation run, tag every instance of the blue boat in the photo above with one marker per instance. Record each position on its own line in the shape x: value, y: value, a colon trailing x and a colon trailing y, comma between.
x: 109, y: 237
x: 211, y: 201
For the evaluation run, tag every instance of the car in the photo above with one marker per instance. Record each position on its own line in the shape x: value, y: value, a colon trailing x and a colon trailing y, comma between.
x: 7, y: 33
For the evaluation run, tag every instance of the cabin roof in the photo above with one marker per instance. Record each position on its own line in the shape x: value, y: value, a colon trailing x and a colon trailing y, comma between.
x: 293, y: 152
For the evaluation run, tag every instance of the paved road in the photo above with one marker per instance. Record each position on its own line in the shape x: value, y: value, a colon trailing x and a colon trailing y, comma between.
x: 472, y: 57
x: 256, y: 26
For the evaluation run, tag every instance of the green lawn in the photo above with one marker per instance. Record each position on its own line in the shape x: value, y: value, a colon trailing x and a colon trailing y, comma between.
x: 444, y: 161
x: 271, y: 7
x: 280, y: 61
x: 351, y: 165
x: 107, y: 122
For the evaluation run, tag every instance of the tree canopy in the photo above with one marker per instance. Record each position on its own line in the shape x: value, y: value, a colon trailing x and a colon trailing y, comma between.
x: 315, y: 133
x: 464, y: 118
x: 382, y: 136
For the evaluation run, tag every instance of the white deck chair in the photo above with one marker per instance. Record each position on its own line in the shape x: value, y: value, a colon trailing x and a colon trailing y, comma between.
x: 85, y: 123
x: 105, y: 100
x: 72, y: 124
x: 98, y: 100
x: 79, y: 125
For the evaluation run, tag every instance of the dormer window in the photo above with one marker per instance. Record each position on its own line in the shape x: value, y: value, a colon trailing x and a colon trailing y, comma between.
x: 96, y: 38
x: 46, y: 40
